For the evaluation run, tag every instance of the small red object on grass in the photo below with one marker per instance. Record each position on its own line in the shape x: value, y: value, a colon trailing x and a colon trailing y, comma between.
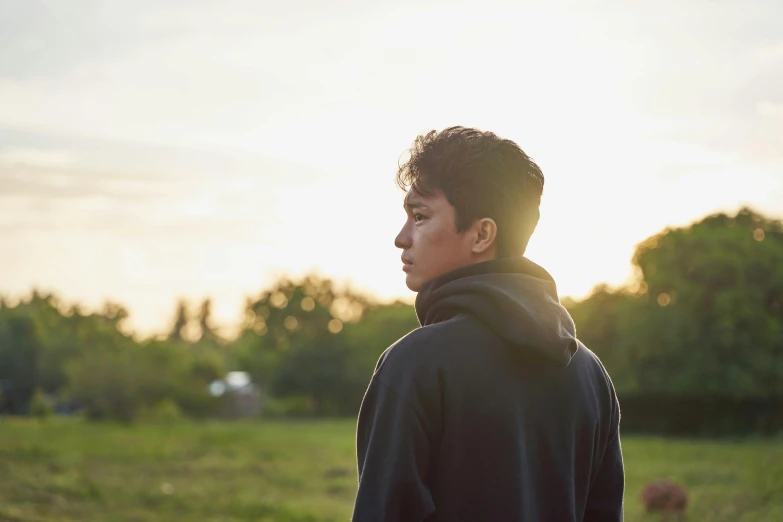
x: 665, y: 497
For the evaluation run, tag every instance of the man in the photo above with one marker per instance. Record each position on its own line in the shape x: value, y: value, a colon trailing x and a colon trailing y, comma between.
x: 492, y: 410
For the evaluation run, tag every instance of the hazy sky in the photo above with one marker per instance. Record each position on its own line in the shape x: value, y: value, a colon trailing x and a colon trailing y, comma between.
x: 157, y: 149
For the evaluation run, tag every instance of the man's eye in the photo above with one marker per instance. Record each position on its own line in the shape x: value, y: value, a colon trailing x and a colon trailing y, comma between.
x: 417, y: 217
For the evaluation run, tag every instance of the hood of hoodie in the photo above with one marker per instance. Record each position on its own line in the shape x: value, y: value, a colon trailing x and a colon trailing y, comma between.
x: 514, y: 297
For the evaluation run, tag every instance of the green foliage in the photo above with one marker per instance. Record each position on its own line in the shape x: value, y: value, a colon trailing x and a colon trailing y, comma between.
x: 122, y: 380
x: 705, y: 318
x: 721, y: 281
x: 40, y: 407
x: 289, y: 406
x: 88, y: 360
x: 314, y: 347
x: 112, y: 383
x: 381, y: 326
x: 165, y: 411
x: 19, y: 355
x: 40, y: 336
x: 63, y: 471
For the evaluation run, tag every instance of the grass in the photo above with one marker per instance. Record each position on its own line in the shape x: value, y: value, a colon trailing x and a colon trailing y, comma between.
x: 66, y: 470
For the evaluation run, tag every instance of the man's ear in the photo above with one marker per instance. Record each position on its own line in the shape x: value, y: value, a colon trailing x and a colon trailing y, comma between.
x: 485, y: 232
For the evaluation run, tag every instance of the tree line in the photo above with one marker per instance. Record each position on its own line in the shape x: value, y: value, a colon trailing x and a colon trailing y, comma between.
x: 694, y: 345
x: 309, y: 347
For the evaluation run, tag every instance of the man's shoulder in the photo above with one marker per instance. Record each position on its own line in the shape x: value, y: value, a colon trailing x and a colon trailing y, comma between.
x: 430, y: 345
x: 586, y: 357
x: 413, y: 366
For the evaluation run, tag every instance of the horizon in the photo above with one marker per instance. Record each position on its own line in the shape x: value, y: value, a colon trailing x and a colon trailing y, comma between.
x: 230, y: 330
x: 165, y: 150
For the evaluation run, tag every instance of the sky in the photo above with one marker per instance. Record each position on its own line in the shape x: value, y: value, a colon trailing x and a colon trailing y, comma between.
x: 157, y: 150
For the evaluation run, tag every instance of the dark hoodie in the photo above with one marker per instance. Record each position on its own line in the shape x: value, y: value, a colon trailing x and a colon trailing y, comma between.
x: 491, y: 411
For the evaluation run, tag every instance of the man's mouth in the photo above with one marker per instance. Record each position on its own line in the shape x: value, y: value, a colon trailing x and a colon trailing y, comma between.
x: 407, y: 264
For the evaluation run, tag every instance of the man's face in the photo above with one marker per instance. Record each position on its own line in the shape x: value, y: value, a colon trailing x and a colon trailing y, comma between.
x: 430, y: 243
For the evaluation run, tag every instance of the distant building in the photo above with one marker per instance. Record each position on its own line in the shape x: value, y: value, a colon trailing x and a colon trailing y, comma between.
x: 241, y: 397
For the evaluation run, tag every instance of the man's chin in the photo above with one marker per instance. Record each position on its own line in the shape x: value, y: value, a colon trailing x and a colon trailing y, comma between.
x: 413, y: 283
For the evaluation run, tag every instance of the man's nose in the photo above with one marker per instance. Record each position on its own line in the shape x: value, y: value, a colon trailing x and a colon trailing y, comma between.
x: 403, y: 239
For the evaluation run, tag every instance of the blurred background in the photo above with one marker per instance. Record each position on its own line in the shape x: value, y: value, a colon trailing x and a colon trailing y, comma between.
x: 197, y: 215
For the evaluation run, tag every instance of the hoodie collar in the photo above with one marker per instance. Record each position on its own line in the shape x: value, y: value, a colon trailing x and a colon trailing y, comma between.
x: 515, y: 297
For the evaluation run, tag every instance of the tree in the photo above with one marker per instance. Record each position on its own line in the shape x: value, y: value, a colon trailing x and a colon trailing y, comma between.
x: 707, y: 319
x: 719, y: 285
x: 181, y: 322
x: 208, y: 333
x: 21, y: 348
x: 294, y: 343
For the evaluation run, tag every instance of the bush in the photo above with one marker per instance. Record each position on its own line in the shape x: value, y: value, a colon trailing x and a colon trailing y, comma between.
x: 39, y: 405
x: 164, y: 411
x: 112, y: 385
x: 292, y: 406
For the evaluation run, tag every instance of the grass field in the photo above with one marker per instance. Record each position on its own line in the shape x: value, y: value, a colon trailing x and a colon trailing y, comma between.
x: 66, y: 470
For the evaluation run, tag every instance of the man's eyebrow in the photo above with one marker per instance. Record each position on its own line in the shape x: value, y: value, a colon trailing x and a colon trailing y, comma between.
x: 413, y: 204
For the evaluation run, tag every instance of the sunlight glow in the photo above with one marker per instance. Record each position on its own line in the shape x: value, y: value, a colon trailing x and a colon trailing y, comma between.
x: 190, y: 163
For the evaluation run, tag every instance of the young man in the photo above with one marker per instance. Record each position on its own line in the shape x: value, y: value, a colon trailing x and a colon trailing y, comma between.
x: 492, y: 411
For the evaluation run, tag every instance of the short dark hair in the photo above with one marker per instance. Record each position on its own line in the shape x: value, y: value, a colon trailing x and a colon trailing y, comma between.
x: 481, y: 175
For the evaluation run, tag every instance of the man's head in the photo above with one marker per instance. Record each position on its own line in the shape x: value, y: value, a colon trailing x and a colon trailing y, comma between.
x: 470, y: 197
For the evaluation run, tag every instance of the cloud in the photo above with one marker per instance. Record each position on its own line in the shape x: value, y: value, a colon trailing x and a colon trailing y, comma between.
x: 142, y: 192
x: 770, y: 53
x: 32, y: 156
x: 54, y: 174
x: 768, y: 108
